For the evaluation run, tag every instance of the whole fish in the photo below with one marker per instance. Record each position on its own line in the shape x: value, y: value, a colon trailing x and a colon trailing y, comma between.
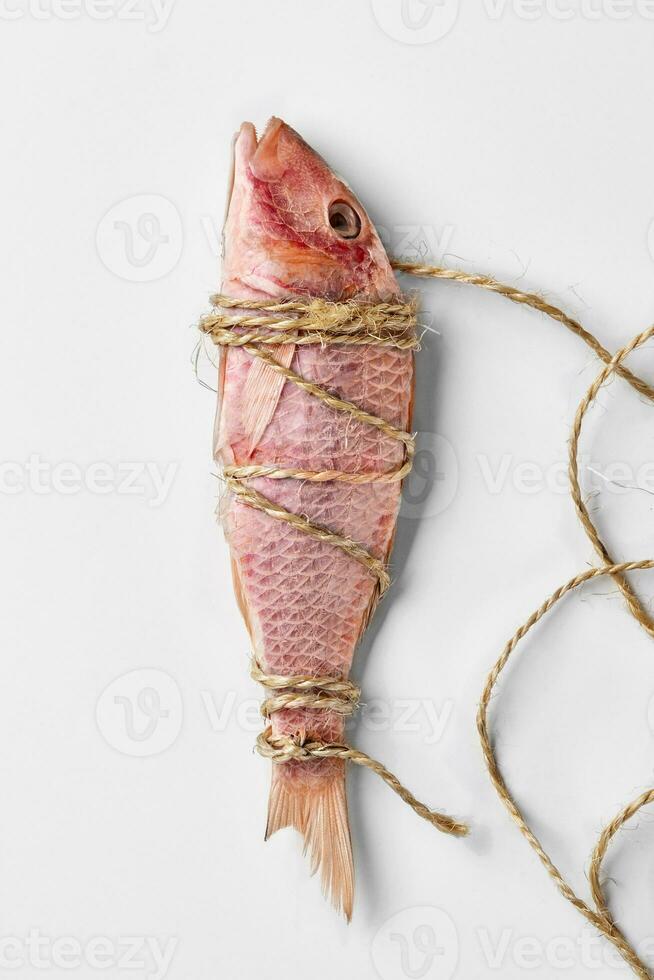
x: 295, y: 229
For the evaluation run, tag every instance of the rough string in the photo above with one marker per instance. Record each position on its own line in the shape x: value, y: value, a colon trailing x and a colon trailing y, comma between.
x: 536, y: 302
x: 600, y: 917
x: 317, y: 321
x: 330, y: 694
x: 312, y: 321
x: 304, y: 691
x: 368, y: 330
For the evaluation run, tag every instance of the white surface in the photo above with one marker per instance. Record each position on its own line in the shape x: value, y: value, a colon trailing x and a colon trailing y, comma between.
x: 515, y: 145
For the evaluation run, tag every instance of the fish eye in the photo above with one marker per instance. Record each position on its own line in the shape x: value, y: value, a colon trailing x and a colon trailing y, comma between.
x: 344, y: 219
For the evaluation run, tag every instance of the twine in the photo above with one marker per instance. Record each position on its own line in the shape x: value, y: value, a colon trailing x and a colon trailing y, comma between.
x: 304, y: 691
x: 600, y: 916
x: 312, y: 321
x: 330, y: 694
x: 613, y: 365
x: 532, y: 300
x: 317, y: 321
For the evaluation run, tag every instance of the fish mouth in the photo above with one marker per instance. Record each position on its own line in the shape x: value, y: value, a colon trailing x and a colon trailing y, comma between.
x: 251, y: 157
x: 248, y: 151
x: 258, y: 156
x: 264, y: 157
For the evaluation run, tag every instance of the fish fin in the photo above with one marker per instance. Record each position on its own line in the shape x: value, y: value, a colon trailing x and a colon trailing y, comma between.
x: 241, y: 601
x: 320, y: 815
x: 263, y: 387
x: 218, y: 417
x: 286, y: 804
x: 370, y: 610
x: 376, y: 595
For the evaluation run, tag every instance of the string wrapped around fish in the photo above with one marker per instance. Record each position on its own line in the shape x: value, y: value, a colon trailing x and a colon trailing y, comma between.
x: 316, y: 383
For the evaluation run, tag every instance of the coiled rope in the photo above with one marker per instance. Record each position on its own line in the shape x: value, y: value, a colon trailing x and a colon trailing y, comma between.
x: 600, y: 916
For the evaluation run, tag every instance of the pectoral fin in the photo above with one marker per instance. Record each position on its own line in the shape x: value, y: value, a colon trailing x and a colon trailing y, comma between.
x: 261, y: 394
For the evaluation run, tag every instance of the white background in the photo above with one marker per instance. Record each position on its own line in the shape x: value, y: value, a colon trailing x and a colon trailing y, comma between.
x: 514, y: 140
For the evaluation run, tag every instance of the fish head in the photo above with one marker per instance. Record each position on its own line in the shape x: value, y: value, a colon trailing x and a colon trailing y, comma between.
x: 294, y: 227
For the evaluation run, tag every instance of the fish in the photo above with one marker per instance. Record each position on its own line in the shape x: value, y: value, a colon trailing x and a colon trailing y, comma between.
x: 294, y: 229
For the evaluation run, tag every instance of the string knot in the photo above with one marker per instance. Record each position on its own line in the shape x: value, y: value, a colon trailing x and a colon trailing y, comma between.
x: 327, y: 693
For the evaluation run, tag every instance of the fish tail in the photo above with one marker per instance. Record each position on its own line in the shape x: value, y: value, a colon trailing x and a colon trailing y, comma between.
x: 318, y: 810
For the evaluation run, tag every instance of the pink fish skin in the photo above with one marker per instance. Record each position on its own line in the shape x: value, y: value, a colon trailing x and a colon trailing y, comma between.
x: 306, y: 603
